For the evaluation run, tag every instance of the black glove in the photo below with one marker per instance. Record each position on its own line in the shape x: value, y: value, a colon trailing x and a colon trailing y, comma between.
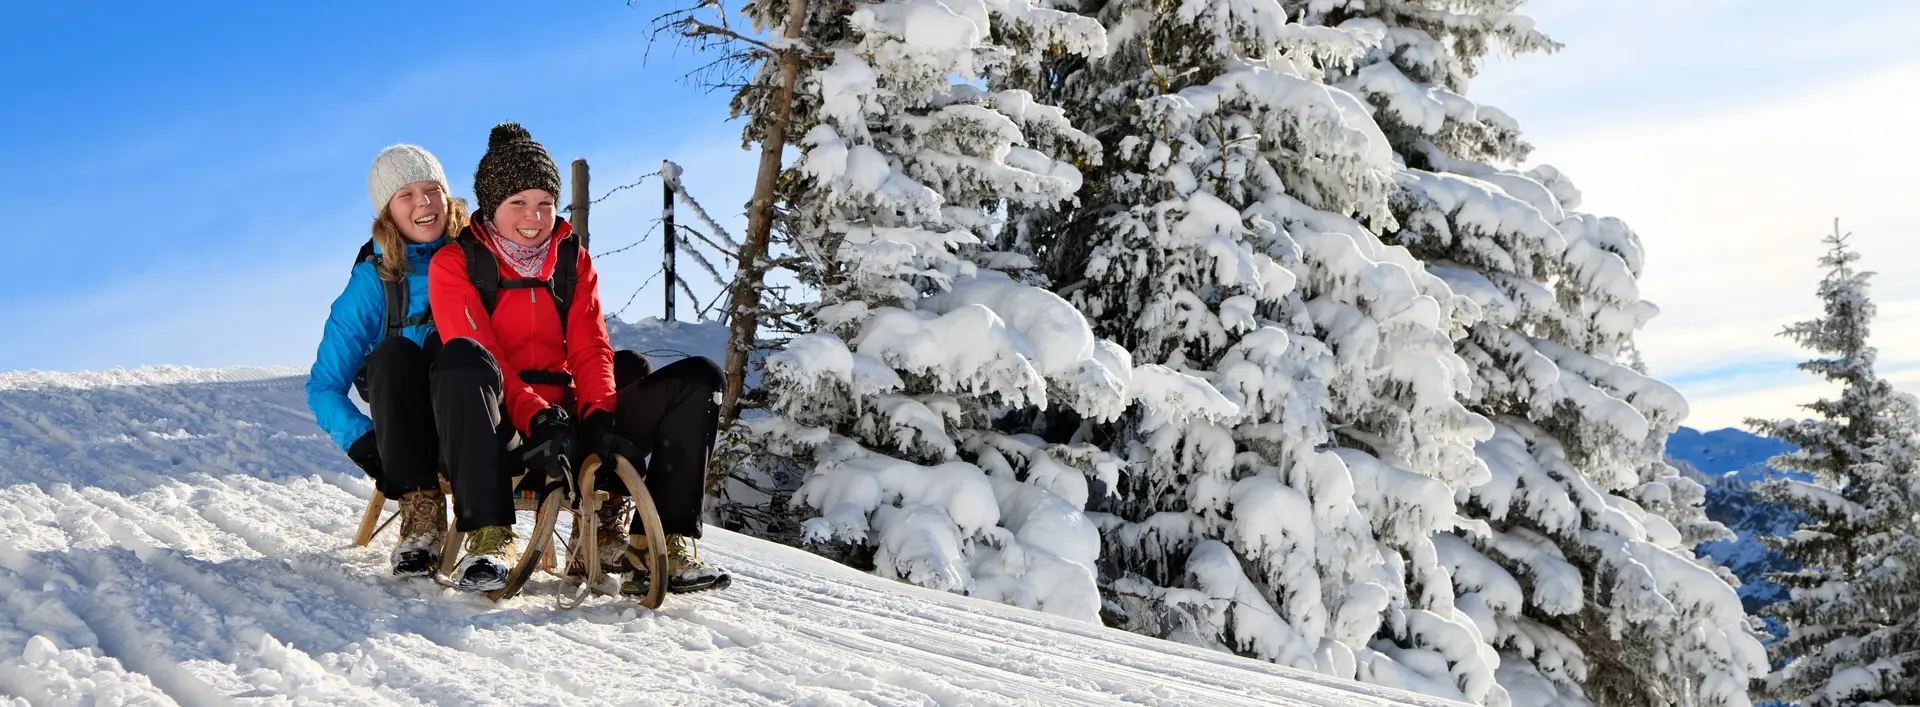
x: 551, y: 444
x: 365, y: 453
x: 601, y: 437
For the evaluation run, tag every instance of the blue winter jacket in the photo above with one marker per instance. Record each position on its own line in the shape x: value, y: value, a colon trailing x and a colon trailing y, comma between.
x: 357, y: 324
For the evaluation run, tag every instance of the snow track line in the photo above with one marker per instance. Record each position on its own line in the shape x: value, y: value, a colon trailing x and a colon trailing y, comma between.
x: 1017, y: 629
x: 122, y: 637
x: 215, y: 593
x: 849, y: 622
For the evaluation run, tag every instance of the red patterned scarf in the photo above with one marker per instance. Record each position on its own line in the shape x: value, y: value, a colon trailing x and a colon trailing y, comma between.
x: 526, y: 260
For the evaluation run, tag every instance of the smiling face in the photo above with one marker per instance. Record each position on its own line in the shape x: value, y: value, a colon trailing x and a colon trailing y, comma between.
x: 420, y: 210
x: 526, y: 218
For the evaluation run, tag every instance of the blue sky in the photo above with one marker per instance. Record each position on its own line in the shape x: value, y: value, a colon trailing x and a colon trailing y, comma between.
x: 199, y: 169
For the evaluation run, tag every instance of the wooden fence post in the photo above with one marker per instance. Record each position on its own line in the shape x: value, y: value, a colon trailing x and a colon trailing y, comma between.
x: 577, y: 212
x: 670, y: 182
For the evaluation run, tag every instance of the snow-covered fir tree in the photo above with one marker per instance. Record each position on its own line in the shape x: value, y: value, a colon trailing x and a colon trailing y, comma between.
x: 894, y: 406
x: 1310, y: 291
x: 1574, y: 557
x: 1283, y: 496
x: 1853, y: 612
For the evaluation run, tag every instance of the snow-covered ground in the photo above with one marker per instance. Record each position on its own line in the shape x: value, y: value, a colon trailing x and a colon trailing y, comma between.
x: 180, y: 536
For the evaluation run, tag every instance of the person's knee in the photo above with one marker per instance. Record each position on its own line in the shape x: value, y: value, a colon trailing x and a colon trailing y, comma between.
x: 698, y: 370
x: 396, y: 350
x: 632, y: 361
x: 464, y: 360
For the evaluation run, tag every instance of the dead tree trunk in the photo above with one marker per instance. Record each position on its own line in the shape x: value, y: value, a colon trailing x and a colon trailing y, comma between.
x: 743, y: 327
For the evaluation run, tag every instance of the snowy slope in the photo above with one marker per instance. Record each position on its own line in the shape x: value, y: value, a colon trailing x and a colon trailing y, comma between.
x: 180, y: 536
x: 663, y: 342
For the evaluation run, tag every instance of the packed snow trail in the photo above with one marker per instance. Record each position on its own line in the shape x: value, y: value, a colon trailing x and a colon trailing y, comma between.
x: 181, y: 536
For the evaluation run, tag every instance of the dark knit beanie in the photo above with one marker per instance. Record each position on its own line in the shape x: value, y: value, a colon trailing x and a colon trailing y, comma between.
x: 514, y: 163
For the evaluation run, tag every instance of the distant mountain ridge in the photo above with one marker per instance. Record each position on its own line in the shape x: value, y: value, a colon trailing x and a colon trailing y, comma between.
x: 1734, y: 461
x: 1727, y: 450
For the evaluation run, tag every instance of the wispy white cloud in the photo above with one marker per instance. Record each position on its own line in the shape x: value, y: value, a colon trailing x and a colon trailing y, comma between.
x: 1731, y: 207
x: 1731, y: 196
x: 1660, y: 59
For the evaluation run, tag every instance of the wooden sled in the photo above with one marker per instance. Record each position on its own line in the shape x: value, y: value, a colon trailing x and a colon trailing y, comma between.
x: 539, y: 552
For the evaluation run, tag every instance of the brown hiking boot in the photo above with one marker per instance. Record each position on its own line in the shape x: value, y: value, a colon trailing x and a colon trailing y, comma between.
x: 423, y: 522
x: 610, y: 535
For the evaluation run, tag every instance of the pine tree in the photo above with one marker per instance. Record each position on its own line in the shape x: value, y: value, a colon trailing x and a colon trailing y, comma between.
x: 896, y: 406
x: 1575, y: 557
x: 1853, y: 615
x: 1304, y: 443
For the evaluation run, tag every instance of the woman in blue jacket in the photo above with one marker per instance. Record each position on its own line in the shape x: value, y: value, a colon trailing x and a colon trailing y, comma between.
x: 381, y: 339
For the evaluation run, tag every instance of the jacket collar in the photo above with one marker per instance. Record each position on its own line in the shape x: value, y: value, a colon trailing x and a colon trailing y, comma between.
x: 478, y: 228
x: 417, y: 251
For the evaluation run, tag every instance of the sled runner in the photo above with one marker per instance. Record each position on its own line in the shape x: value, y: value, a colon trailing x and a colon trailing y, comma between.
x: 546, y: 502
x: 587, y: 545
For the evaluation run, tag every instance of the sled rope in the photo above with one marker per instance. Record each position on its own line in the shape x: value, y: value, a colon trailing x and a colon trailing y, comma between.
x: 383, y: 525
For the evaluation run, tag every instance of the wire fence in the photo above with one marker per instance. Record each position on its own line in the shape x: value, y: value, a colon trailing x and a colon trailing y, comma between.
x: 630, y: 246
x: 692, y: 242
x: 636, y: 291
x: 610, y: 192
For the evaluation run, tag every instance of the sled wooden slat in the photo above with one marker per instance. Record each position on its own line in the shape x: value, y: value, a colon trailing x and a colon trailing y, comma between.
x: 369, y: 519
x: 539, y: 548
x: 654, y: 558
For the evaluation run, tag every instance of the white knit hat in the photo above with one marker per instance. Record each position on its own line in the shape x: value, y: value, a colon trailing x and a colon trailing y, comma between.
x: 399, y: 166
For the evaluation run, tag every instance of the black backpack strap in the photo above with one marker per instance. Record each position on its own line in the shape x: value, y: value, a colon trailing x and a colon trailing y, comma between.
x: 566, y: 274
x: 397, y: 301
x: 396, y: 306
x: 482, y: 270
x: 397, y: 296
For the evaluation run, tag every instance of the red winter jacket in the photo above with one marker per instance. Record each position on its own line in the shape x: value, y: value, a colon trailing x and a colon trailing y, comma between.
x: 524, y: 332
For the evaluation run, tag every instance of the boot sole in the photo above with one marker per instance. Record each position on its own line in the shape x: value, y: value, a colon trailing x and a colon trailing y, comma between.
x: 628, y: 588
x: 487, y: 587
x: 416, y: 570
x: 495, y: 584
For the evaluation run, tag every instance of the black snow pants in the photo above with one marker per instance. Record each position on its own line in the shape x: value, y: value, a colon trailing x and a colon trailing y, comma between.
x: 671, y: 415
x: 475, y: 435
x: 396, y: 390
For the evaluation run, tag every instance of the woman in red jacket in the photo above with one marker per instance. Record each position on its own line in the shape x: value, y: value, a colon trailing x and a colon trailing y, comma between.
x: 526, y: 378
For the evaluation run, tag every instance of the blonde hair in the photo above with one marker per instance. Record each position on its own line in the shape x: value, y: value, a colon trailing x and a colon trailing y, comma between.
x: 392, y: 265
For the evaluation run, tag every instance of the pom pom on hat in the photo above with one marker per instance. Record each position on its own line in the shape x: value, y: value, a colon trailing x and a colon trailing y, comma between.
x: 514, y: 163
x: 505, y: 132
